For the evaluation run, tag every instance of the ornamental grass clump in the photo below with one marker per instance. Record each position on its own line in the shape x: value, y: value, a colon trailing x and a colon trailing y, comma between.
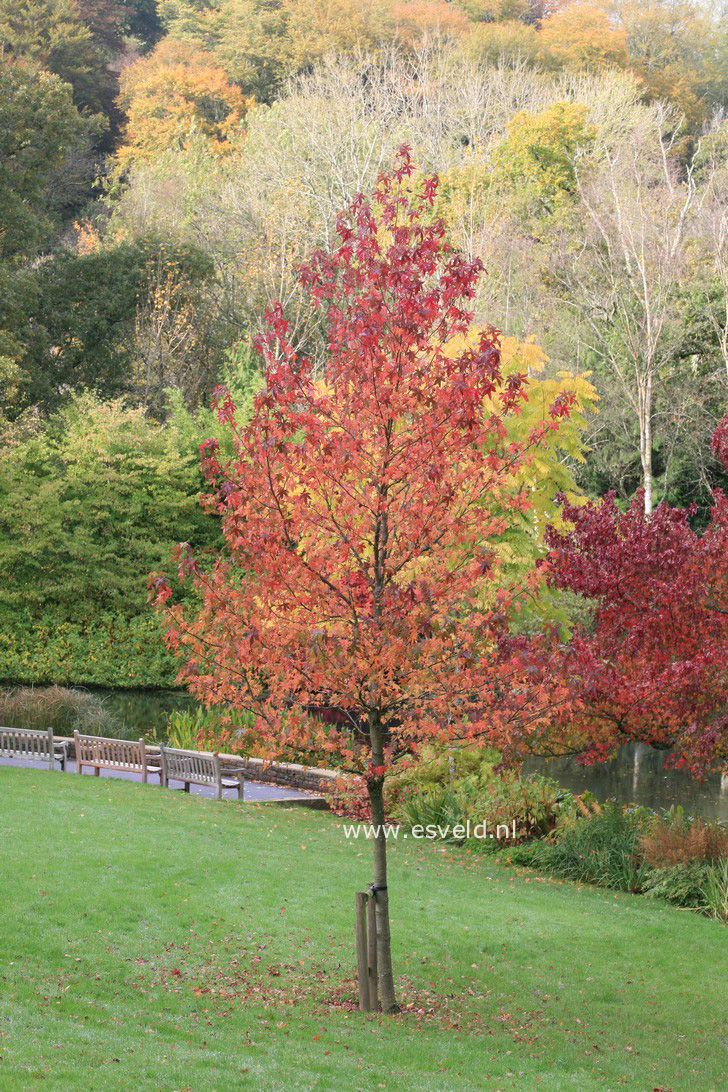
x: 58, y: 707
x: 602, y: 849
x: 675, y: 838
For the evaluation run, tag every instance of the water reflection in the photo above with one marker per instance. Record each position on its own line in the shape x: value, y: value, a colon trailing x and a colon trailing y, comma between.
x: 637, y: 775
x: 144, y: 712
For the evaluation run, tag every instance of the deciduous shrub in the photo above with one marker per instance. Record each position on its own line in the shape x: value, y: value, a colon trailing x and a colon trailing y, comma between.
x: 440, y: 768
x: 535, y: 803
x: 106, y: 649
x: 682, y: 884
x: 674, y: 838
x: 90, y: 503
x: 697, y: 885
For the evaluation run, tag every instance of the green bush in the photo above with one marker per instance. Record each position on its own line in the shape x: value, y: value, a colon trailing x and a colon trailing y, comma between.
x: 698, y: 885
x: 525, y: 853
x: 681, y: 884
x: 105, y: 650
x: 602, y: 849
x: 535, y: 803
x: 471, y: 766
x: 532, y: 803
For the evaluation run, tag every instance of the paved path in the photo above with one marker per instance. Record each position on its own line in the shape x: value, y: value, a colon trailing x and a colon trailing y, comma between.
x: 254, y: 792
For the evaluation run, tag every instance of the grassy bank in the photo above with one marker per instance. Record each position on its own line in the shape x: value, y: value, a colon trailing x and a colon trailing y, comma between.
x: 154, y: 941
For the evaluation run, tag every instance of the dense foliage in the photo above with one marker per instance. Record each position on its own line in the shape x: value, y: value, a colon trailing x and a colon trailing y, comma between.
x: 653, y: 663
x: 364, y: 510
x: 89, y: 504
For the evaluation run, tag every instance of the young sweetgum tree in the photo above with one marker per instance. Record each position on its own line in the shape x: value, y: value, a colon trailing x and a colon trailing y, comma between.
x: 361, y: 514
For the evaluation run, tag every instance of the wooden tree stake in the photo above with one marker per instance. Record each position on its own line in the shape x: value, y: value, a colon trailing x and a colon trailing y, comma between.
x: 372, y: 961
x: 361, y: 950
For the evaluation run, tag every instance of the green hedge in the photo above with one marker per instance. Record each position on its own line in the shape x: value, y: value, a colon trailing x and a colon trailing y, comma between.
x: 110, y: 651
x: 91, y: 501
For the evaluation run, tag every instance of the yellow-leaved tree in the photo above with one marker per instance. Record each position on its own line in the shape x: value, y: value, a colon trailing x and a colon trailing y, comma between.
x: 546, y: 476
x: 582, y: 36
x: 174, y: 96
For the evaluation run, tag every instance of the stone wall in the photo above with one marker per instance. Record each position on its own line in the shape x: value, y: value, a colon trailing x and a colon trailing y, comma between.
x: 287, y: 774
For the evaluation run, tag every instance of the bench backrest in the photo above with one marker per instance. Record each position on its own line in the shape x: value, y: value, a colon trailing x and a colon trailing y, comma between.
x: 195, y: 767
x: 27, y: 743
x: 112, y: 754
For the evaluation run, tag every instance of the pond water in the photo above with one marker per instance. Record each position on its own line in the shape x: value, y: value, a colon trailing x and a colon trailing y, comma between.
x: 637, y: 775
x: 144, y: 712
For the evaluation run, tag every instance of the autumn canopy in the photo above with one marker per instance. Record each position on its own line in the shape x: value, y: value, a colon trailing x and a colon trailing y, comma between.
x: 362, y: 507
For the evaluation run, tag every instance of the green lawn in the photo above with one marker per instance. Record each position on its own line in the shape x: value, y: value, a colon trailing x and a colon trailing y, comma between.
x: 153, y: 940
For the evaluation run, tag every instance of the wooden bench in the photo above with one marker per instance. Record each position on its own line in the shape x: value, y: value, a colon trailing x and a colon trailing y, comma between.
x: 32, y: 745
x: 198, y: 768
x: 121, y: 755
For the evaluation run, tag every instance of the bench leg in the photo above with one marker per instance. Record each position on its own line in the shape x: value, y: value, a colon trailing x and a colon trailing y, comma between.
x: 97, y: 771
x: 187, y: 786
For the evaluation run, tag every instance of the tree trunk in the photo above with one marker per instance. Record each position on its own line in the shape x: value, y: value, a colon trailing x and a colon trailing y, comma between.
x: 645, y: 421
x: 384, y: 943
